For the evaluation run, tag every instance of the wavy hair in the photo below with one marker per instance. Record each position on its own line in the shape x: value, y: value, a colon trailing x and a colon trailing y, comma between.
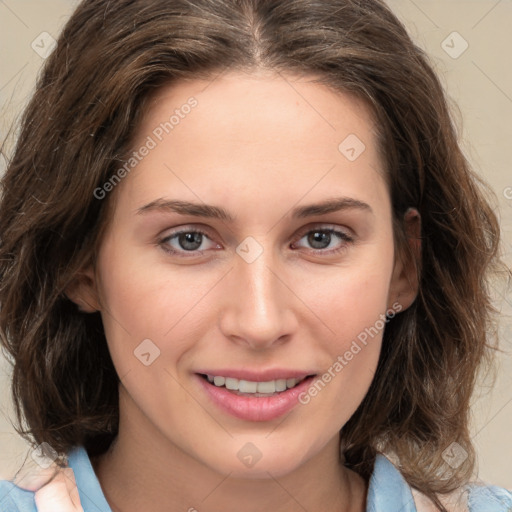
x: 110, y: 58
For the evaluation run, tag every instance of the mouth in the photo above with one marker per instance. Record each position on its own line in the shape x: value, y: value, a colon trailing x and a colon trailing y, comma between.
x: 242, y: 387
x: 254, y: 400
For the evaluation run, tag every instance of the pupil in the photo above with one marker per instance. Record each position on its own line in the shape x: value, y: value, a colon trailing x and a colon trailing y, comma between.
x: 319, y: 237
x: 190, y: 238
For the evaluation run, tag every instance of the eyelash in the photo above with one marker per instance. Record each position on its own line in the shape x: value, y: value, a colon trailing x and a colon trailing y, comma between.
x: 182, y: 253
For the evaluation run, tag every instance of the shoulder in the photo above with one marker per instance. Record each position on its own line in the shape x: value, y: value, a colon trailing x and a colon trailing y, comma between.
x: 489, y: 498
x: 388, y: 486
x: 471, y: 498
x: 15, y: 499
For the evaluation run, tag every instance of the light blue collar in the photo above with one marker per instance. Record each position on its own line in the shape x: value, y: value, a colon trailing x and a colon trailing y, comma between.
x: 89, y: 489
x: 388, y: 491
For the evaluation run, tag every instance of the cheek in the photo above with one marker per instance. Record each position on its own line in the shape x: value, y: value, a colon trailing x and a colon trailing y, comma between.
x: 171, y: 306
x: 353, y: 305
x: 140, y: 302
x: 352, y: 300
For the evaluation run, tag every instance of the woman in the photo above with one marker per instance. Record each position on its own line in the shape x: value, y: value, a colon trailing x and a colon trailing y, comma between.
x: 243, y: 265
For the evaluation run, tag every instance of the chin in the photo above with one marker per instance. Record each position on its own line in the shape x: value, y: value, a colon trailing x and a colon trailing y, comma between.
x: 264, y: 470
x: 249, y: 462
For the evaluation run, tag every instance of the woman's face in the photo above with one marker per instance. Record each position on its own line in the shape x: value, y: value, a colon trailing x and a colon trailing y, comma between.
x: 284, y: 269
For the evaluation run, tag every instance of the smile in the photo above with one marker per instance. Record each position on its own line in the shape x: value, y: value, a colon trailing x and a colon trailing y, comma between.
x: 252, y: 387
x: 253, y: 400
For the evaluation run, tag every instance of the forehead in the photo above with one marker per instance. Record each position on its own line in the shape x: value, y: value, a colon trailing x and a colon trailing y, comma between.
x: 261, y: 104
x: 254, y: 134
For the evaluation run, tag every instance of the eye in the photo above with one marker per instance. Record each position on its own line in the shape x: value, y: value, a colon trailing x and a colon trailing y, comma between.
x: 193, y: 242
x: 186, y: 241
x: 327, y: 238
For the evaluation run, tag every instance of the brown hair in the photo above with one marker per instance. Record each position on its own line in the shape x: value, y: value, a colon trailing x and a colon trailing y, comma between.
x: 110, y: 57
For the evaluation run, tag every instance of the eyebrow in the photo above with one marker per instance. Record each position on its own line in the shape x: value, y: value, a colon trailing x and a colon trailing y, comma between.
x: 216, y: 212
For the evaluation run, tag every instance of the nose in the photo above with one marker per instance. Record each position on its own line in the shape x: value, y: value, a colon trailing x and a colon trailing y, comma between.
x: 258, y: 306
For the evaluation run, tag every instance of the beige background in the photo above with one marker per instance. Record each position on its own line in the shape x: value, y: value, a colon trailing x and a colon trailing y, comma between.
x: 478, y: 79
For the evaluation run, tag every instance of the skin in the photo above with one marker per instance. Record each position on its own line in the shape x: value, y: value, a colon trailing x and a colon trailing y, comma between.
x: 259, y: 148
x: 54, y: 488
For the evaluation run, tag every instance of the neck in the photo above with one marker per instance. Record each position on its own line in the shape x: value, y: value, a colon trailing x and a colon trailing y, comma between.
x: 151, y: 473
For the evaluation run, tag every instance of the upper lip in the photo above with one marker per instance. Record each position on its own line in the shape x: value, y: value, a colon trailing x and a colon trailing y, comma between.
x: 258, y: 375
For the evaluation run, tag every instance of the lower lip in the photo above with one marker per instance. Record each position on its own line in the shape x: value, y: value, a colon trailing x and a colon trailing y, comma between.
x: 248, y: 408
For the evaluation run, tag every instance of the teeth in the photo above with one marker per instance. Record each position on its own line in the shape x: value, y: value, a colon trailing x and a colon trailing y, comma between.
x: 219, y: 381
x: 267, y: 387
x: 247, y: 386
x: 231, y: 383
x: 280, y: 384
x: 290, y: 383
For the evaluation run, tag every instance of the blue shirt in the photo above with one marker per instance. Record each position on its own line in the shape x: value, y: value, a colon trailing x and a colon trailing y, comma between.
x: 387, y: 491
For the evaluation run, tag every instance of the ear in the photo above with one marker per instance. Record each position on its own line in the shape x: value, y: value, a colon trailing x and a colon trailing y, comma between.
x: 83, y: 291
x: 405, y: 279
